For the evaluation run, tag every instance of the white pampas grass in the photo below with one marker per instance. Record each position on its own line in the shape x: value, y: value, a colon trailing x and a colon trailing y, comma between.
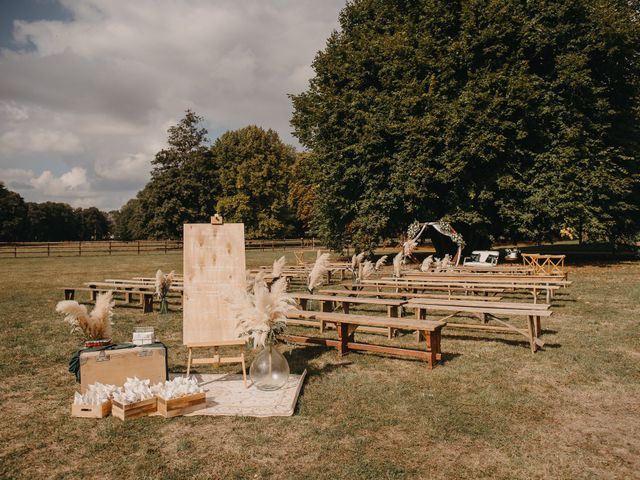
x: 408, y: 247
x: 262, y: 314
x: 397, y: 264
x: 356, y: 260
x: 163, y: 283
x: 320, y: 267
x: 278, y: 267
x: 380, y: 263
x: 446, y: 261
x: 94, y: 326
x: 427, y: 263
x: 366, y: 270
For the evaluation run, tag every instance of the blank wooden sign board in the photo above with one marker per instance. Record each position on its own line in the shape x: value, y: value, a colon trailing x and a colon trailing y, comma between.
x: 214, y: 270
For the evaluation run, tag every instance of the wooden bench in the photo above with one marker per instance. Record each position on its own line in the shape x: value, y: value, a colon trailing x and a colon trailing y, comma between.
x: 146, y: 297
x: 486, y: 311
x: 346, y: 325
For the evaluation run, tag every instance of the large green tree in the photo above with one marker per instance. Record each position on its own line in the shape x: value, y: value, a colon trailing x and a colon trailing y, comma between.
x: 14, y: 223
x: 517, y: 116
x: 183, y: 186
x: 254, y: 168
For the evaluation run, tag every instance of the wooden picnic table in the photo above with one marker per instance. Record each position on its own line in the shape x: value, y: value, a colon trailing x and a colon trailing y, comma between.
x: 347, y: 325
x: 422, y: 286
x: 508, y: 284
x: 488, y: 311
x: 403, y: 295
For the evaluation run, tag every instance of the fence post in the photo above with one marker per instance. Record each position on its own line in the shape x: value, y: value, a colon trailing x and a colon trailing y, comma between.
x: 273, y: 245
x: 109, y: 247
x: 138, y: 247
x: 165, y: 247
x: 15, y: 251
x: 80, y: 248
x: 48, y: 251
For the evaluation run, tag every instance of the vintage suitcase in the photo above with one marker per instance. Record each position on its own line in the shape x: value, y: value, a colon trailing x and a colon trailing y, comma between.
x: 114, y: 364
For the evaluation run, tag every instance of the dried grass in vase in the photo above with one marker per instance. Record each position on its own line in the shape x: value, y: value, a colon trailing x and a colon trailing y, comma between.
x: 93, y: 326
x: 163, y: 284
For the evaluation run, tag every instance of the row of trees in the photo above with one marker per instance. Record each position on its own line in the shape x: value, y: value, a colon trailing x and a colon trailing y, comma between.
x: 519, y: 118
x: 49, y: 221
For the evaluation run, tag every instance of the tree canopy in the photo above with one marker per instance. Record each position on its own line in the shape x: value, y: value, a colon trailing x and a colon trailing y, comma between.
x: 519, y: 117
x: 254, y: 168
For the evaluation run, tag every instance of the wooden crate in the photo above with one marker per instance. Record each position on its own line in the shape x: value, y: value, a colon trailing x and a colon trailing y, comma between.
x: 178, y: 406
x: 129, y: 411
x: 91, y: 411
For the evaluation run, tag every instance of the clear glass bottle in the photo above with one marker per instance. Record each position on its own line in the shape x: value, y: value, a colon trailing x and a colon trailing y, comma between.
x: 270, y: 369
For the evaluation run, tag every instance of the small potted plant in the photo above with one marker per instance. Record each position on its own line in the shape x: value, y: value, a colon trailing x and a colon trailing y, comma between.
x: 95, y: 326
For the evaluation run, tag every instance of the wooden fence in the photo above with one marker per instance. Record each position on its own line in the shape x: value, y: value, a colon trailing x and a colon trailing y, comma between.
x: 138, y: 247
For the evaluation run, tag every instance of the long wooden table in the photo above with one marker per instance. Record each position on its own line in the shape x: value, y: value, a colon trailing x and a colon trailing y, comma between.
x: 488, y: 311
x: 403, y: 295
x: 347, y: 325
x: 468, y: 285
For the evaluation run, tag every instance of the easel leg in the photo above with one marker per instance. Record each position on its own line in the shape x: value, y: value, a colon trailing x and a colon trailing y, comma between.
x: 189, y: 363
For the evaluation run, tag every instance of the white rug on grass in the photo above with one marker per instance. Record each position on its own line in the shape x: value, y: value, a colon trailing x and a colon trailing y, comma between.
x: 226, y: 395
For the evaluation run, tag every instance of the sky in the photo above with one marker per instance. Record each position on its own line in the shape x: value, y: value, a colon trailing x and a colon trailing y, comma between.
x: 88, y: 88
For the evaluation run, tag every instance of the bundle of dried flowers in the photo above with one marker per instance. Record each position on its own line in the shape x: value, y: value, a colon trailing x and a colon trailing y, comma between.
x: 163, y: 284
x: 261, y: 313
x: 94, y: 326
x: 320, y: 268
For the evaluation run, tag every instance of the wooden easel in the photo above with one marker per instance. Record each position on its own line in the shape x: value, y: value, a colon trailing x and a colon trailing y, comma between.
x: 217, y: 359
x: 214, y: 268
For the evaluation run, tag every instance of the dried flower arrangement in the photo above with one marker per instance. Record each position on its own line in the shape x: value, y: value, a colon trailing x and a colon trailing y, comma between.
x: 261, y: 312
x: 397, y: 264
x: 278, y: 267
x: 320, y: 268
x: 94, y: 326
x: 381, y: 262
x: 366, y: 270
x: 427, y: 263
x: 163, y: 284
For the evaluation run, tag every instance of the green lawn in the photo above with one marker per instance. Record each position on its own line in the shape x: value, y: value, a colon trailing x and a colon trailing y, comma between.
x: 492, y: 410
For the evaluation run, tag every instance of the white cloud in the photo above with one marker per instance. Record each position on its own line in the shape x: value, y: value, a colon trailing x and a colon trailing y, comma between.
x: 99, y: 92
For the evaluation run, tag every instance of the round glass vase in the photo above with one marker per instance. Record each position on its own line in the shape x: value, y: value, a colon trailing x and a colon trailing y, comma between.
x: 270, y: 369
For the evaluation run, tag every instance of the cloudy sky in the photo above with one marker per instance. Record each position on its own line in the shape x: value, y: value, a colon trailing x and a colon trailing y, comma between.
x: 88, y: 88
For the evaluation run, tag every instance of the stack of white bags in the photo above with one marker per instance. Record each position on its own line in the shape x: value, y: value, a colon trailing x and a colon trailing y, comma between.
x: 176, y: 388
x: 96, y: 394
x: 136, y: 390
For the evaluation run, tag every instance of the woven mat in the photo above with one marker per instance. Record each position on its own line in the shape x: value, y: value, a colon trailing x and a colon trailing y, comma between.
x: 226, y: 395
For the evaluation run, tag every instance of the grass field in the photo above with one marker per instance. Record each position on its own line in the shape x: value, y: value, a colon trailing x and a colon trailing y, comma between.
x: 492, y: 410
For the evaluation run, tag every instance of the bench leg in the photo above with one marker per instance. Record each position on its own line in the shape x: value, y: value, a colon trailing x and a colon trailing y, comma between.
x: 345, y: 307
x: 532, y: 333
x: 538, y: 327
x: 94, y: 294
x: 326, y: 306
x: 147, y: 306
x: 343, y: 336
x: 392, y: 312
x: 69, y: 293
x: 431, y: 345
x: 303, y: 303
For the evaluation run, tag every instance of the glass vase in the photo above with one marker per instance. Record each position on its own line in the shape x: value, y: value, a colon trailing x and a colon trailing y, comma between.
x: 270, y: 369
